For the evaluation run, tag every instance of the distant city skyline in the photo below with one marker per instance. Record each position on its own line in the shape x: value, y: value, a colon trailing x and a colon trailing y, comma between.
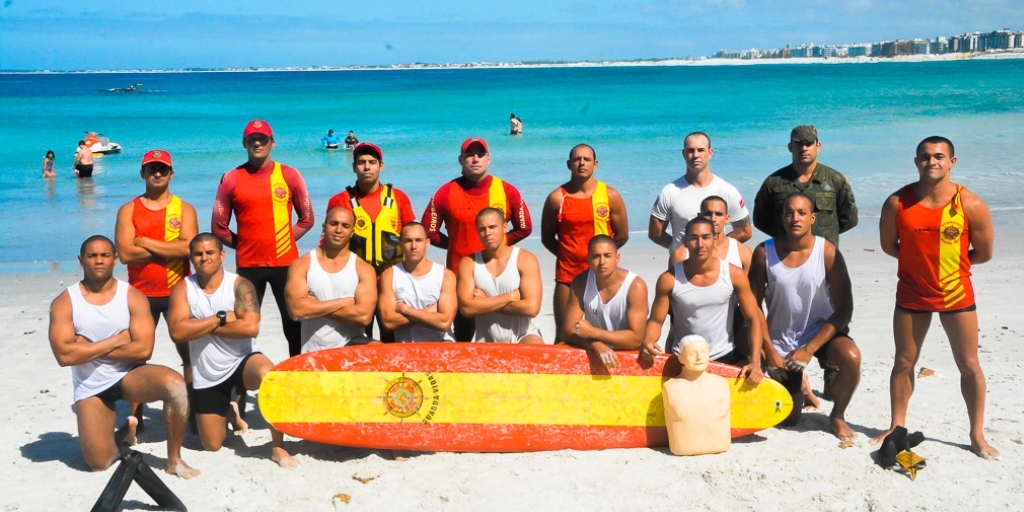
x: 969, y: 42
x: 127, y: 34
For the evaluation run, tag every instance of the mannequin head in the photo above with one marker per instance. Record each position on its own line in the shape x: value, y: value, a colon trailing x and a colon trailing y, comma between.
x: 693, y: 353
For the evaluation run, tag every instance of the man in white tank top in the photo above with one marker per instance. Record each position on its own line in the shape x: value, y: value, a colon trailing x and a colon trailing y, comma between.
x: 607, y: 305
x: 417, y: 298
x: 218, y: 314
x: 500, y: 287
x: 700, y: 291
x: 332, y: 291
x: 804, y: 281
x: 735, y: 253
x: 102, y: 328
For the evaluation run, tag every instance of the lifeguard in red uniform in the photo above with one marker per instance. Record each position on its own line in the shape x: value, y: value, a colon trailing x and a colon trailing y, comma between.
x: 573, y: 214
x: 152, y: 233
x: 455, y: 206
x: 937, y: 229
x: 262, y: 194
x: 380, y: 211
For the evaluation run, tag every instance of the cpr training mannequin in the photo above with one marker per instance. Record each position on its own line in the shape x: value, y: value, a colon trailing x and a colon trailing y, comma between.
x: 696, y: 404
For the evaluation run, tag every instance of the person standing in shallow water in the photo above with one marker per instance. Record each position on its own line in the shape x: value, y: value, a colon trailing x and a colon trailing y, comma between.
x: 937, y: 229
x: 48, y: 165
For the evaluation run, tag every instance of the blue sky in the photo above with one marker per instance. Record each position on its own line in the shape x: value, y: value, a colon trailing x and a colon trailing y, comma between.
x: 123, y: 34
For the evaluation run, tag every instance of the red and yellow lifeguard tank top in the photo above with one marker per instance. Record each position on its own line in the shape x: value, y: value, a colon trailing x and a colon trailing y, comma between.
x: 579, y: 220
x: 263, y: 211
x: 461, y: 222
x: 155, y: 279
x: 934, y: 268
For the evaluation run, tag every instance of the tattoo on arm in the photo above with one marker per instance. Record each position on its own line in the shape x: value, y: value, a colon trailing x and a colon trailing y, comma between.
x: 245, y: 297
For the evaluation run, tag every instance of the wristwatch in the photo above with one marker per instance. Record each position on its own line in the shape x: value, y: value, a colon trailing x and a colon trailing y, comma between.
x: 223, y: 317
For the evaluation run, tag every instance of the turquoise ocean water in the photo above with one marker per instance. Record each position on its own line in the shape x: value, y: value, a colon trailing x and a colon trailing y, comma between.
x: 869, y: 117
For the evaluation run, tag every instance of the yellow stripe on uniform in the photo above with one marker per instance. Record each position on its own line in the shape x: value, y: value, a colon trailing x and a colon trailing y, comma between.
x: 282, y: 214
x: 172, y: 232
x: 953, y: 220
x: 496, y: 197
x: 489, y: 398
x: 602, y: 212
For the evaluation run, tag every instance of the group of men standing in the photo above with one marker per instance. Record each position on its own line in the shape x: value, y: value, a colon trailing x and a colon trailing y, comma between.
x: 371, y: 267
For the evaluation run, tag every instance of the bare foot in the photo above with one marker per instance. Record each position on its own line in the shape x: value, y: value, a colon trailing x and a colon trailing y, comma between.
x: 984, y: 450
x: 842, y: 430
x: 283, y: 459
x: 126, y: 434
x: 238, y: 424
x: 875, y: 441
x: 181, y: 470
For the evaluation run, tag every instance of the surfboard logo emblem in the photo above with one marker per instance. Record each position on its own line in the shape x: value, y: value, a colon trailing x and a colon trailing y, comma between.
x: 403, y: 397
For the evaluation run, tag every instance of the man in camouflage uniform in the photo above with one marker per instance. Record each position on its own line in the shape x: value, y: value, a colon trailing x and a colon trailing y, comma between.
x: 833, y: 199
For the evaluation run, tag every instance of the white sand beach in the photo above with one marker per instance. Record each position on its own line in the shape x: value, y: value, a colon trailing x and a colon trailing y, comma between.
x: 779, y: 469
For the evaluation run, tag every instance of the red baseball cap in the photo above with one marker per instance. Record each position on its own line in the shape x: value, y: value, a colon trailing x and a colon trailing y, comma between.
x: 474, y: 140
x: 258, y: 126
x: 157, y: 155
x: 368, y: 147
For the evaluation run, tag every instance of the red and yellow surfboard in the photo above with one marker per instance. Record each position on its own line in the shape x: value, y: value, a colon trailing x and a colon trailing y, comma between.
x: 488, y: 397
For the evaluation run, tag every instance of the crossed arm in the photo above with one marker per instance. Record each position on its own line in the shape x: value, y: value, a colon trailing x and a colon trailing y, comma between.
x: 133, y: 344
x: 242, y: 322
x: 133, y: 249
x: 524, y: 301
x: 356, y: 310
x: 396, y: 314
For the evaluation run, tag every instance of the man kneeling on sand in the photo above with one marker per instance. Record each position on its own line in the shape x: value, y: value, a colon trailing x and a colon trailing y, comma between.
x: 102, y: 328
x: 700, y: 291
x: 804, y: 281
x: 500, y: 287
x: 218, y: 315
x: 607, y: 305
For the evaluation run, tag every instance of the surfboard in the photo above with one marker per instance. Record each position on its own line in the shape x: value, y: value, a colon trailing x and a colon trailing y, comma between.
x: 489, y: 397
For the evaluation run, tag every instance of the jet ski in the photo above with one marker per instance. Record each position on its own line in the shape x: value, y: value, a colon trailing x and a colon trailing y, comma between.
x: 130, y: 88
x: 99, y: 144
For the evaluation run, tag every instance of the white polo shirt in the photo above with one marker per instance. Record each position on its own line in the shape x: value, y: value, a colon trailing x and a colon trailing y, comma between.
x: 679, y: 203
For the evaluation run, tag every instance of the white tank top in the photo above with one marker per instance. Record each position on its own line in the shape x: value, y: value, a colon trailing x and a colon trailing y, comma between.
x: 498, y: 326
x: 797, y: 298
x: 611, y: 316
x: 706, y: 311
x: 97, y: 323
x: 732, y: 257
x: 214, y: 358
x: 418, y: 292
x: 323, y: 332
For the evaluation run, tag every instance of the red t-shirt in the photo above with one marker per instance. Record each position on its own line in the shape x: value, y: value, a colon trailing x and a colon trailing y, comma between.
x: 456, y: 204
x: 249, y: 196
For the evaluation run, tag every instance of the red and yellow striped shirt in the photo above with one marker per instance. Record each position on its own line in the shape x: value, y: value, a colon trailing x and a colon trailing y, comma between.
x: 934, y: 267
